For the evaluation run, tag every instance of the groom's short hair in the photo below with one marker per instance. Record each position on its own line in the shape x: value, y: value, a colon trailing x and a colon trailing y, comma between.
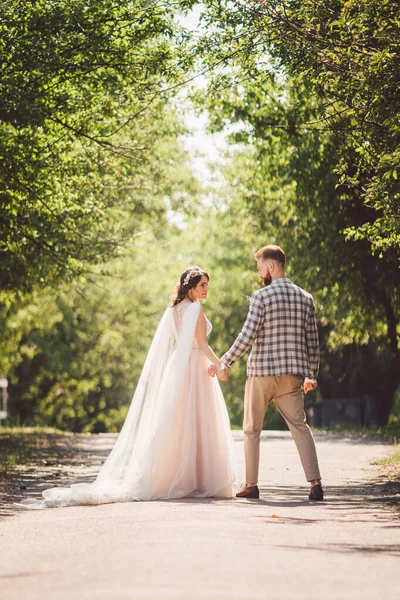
x: 273, y: 252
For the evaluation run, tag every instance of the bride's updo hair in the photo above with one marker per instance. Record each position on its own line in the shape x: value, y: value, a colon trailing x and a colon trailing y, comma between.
x: 188, y: 280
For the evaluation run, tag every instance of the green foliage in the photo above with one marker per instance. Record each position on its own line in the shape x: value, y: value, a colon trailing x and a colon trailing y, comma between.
x: 282, y: 195
x: 346, y: 53
x: 80, y: 357
x: 90, y: 167
x: 73, y: 354
x: 310, y: 93
x: 81, y: 117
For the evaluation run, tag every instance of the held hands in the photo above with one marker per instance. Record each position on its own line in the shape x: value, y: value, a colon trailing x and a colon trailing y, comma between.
x: 212, y: 369
x: 309, y: 385
x: 221, y: 371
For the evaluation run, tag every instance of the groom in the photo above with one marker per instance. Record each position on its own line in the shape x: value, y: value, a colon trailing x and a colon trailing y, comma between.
x: 282, y: 331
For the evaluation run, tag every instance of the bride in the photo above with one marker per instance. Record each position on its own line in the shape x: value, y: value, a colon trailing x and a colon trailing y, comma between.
x: 176, y: 441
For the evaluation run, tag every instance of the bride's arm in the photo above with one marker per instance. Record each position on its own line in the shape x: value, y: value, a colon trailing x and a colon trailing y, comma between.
x: 201, y: 337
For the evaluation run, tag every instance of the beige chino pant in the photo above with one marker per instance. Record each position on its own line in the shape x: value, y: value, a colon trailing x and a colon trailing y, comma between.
x: 287, y: 393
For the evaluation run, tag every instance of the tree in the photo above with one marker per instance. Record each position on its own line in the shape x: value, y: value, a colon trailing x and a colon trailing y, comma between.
x: 73, y: 353
x: 346, y: 54
x: 84, y: 105
x: 283, y: 187
x: 313, y: 89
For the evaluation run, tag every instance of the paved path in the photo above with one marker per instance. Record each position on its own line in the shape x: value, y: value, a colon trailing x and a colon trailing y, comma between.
x: 280, y: 547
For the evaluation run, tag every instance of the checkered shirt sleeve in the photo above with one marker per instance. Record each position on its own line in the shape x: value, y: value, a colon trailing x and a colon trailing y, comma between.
x: 312, y: 343
x: 254, y: 321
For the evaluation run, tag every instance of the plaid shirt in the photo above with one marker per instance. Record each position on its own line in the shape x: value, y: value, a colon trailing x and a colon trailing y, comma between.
x: 282, y: 330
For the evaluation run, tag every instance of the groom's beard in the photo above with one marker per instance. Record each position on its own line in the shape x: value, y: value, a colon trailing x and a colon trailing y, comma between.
x: 267, y: 280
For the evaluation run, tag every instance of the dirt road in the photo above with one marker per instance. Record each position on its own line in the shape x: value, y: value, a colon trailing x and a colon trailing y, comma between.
x: 281, y: 547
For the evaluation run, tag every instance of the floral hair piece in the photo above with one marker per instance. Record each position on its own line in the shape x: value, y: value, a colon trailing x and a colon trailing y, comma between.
x: 187, y: 278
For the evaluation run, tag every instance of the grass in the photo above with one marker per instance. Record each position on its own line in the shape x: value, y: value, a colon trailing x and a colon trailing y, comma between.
x: 389, y: 478
x: 393, y: 460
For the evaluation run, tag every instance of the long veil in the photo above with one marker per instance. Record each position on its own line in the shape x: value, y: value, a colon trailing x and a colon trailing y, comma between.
x: 128, y: 472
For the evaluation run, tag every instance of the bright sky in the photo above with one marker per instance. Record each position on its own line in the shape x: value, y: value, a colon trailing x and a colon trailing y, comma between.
x: 202, y: 147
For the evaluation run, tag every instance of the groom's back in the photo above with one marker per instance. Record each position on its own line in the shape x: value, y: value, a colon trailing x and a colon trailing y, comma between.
x: 281, y: 343
x: 286, y: 304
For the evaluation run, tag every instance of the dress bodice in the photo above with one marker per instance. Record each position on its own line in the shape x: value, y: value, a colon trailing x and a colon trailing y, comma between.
x: 179, y: 311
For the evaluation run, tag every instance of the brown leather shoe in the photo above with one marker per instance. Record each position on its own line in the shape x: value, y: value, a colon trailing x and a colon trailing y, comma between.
x: 316, y: 493
x: 248, y: 492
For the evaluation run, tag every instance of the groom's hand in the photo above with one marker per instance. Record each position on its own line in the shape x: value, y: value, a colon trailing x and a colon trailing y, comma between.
x: 223, y: 374
x: 309, y: 385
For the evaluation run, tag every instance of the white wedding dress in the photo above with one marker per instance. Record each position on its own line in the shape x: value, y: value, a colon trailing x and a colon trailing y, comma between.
x: 176, y: 441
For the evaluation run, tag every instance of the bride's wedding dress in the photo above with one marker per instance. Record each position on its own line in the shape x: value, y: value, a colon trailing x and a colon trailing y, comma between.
x: 176, y: 441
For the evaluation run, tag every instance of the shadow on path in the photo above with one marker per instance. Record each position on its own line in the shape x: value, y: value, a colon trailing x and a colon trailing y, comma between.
x: 66, y: 460
x: 77, y: 459
x: 389, y: 549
